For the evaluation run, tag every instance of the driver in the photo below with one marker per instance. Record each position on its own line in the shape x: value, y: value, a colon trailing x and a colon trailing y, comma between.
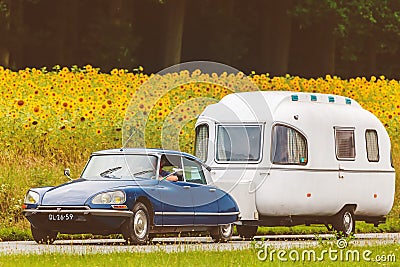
x: 164, y: 173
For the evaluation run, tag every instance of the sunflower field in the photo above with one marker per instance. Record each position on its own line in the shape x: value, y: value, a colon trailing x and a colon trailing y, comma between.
x: 53, y: 119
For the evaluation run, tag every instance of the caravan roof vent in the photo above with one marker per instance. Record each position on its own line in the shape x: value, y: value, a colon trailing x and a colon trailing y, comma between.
x: 313, y: 98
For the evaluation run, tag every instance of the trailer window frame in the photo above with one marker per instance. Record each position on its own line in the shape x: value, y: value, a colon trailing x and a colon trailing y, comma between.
x: 341, y: 146
x: 373, y: 154
x: 255, y: 159
x: 302, y: 159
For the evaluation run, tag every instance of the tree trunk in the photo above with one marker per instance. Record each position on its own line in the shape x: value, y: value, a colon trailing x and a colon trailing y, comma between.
x: 4, y: 31
x: 4, y: 56
x: 276, y: 25
x: 117, y: 12
x: 67, y: 35
x: 326, y: 47
x: 62, y: 32
x: 318, y: 50
x: 225, y: 31
x: 175, y: 12
x: 18, y: 39
x: 370, y: 49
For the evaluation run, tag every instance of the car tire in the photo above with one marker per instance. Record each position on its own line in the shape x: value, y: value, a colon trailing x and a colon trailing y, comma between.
x: 222, y: 233
x: 136, y: 230
x: 42, y: 236
x: 344, y: 222
x: 247, y: 231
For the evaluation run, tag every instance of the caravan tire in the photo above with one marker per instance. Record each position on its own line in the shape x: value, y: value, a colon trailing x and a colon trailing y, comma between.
x: 247, y: 231
x: 344, y: 222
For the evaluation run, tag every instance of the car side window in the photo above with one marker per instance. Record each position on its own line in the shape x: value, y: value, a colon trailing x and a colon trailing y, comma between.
x: 171, y: 165
x: 193, y: 172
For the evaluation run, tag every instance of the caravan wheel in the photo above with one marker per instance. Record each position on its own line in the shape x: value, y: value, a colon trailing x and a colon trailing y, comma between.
x: 344, y: 222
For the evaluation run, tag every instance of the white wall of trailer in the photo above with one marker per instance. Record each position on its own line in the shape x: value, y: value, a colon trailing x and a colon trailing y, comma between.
x: 324, y: 184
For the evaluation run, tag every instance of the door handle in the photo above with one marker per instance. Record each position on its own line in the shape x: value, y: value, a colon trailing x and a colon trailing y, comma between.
x: 212, y: 190
x: 186, y: 186
x: 341, y: 176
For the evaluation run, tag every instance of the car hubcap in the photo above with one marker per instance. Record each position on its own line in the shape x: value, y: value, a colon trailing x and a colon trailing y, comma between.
x: 348, y: 222
x: 140, y: 224
x: 226, y: 230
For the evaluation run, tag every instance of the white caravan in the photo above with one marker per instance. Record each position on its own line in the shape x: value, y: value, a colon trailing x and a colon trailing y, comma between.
x: 292, y: 158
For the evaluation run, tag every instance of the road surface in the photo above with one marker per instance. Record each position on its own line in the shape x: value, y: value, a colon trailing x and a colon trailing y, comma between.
x: 185, y: 244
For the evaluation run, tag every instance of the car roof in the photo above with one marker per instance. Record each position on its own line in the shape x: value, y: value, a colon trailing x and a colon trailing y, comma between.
x: 147, y: 151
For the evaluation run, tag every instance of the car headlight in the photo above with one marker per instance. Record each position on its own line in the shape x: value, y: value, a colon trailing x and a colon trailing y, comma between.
x: 114, y: 197
x: 31, y: 197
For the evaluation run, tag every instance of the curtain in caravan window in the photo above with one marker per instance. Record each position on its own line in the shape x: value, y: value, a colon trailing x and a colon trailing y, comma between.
x: 297, y: 147
x: 201, y: 143
x: 345, y: 144
x: 288, y: 146
x: 371, y: 138
x: 223, y: 144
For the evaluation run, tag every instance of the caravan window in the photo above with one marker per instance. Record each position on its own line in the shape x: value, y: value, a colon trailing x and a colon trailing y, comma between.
x: 371, y: 139
x: 201, y: 143
x: 289, y: 146
x: 239, y: 143
x: 345, y: 144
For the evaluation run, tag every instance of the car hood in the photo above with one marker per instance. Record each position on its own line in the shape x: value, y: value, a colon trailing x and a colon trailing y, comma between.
x: 78, y: 191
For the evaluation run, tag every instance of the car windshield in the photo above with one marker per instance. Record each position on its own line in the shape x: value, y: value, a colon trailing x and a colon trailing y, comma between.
x: 124, y: 167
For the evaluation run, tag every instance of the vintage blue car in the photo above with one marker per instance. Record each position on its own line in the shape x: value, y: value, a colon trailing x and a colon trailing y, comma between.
x: 135, y: 192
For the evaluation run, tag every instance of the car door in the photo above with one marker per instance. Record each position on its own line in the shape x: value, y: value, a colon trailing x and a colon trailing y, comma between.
x: 176, y: 197
x: 205, y: 198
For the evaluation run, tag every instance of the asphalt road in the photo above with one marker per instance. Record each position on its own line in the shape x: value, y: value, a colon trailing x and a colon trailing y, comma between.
x: 184, y: 244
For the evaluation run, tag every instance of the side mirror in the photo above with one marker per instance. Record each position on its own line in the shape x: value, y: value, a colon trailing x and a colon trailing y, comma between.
x: 67, y: 172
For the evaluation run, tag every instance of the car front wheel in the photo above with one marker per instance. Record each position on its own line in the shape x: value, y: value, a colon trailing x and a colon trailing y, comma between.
x: 222, y: 233
x: 42, y: 236
x: 136, y: 230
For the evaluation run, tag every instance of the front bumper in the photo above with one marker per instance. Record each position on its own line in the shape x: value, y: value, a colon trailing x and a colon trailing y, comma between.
x: 77, y: 220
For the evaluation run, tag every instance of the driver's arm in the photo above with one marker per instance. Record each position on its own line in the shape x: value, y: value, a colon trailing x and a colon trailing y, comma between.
x: 171, y: 178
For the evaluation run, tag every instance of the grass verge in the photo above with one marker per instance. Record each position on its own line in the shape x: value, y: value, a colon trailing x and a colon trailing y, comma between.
x: 387, y: 255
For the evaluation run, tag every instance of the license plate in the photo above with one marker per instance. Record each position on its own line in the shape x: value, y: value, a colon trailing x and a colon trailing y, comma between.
x: 61, y: 217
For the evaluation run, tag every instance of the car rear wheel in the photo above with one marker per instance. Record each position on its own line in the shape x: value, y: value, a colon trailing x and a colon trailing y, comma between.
x: 222, y: 233
x: 247, y: 231
x: 43, y: 236
x: 136, y: 230
x: 344, y: 222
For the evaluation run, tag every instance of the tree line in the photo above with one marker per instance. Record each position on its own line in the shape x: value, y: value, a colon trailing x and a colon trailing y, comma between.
x: 309, y: 38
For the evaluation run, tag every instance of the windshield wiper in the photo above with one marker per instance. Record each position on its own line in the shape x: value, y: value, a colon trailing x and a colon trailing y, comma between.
x: 109, y: 171
x: 142, y: 172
